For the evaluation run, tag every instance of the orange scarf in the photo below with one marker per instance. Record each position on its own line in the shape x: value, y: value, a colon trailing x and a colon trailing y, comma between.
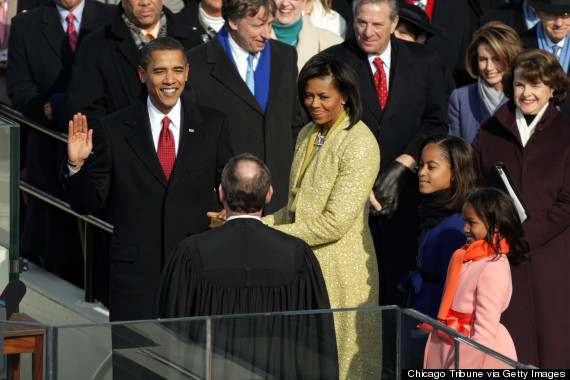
x: 475, y: 251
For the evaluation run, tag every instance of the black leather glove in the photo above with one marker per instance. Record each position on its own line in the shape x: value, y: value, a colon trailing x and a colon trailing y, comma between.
x: 387, y: 189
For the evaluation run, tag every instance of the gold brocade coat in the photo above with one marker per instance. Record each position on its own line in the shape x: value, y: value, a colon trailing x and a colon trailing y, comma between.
x: 332, y: 217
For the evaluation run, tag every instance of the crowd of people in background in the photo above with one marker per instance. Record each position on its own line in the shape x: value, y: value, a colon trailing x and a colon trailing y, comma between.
x: 380, y: 122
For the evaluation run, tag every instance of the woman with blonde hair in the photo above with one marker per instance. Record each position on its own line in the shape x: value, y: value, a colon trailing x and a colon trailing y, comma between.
x: 322, y: 15
x: 489, y: 54
x: 291, y: 27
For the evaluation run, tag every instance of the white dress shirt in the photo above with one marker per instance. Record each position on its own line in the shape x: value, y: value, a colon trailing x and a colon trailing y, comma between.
x: 208, y: 21
x: 242, y: 216
x: 240, y: 57
x: 77, y: 12
x: 386, y: 58
x: 560, y: 44
x: 155, y: 117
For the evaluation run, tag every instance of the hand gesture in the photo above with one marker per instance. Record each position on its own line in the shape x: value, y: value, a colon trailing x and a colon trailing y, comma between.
x: 80, y: 141
x: 217, y: 218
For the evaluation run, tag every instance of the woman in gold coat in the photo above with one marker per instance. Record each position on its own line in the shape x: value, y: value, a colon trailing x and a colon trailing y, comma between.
x: 335, y: 164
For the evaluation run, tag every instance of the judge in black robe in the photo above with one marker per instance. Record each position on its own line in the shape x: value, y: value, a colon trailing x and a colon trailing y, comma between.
x: 247, y: 267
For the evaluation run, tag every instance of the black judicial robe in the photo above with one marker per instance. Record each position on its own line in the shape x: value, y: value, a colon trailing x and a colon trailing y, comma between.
x: 247, y: 267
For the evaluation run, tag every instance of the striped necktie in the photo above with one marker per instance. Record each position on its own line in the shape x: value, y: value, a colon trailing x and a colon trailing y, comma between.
x: 71, y: 32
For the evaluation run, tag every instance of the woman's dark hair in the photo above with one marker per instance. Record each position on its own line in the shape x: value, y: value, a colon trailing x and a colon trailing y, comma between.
x: 464, y: 166
x: 504, y: 41
x: 537, y: 65
x: 498, y: 211
x: 345, y: 81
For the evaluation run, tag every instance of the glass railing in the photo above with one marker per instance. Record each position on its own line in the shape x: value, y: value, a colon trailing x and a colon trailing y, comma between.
x: 292, y: 345
x: 10, y: 186
x: 9, y: 189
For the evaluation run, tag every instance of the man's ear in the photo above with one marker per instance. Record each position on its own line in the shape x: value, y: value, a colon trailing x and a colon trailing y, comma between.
x: 142, y: 73
x: 269, y: 195
x: 232, y: 24
x: 221, y: 193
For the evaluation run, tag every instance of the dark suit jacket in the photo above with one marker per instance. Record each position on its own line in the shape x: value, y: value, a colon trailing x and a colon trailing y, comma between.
x: 104, y: 78
x: 453, y: 17
x: 215, y: 82
x: 40, y: 56
x: 151, y: 214
x: 40, y: 59
x: 511, y: 14
x: 416, y: 102
x: 415, y: 109
x: 247, y: 267
x: 189, y: 16
x: 530, y: 41
x: 27, y: 5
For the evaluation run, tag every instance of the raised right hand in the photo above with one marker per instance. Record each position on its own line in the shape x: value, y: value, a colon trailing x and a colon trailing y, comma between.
x: 80, y: 141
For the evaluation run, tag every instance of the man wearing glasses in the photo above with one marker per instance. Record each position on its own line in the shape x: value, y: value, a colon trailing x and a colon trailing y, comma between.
x: 551, y: 33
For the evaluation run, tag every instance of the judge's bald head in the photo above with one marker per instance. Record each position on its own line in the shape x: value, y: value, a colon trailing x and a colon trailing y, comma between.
x: 246, y: 184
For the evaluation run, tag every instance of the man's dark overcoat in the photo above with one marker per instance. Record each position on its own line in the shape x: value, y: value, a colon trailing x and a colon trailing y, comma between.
x: 151, y: 215
x: 215, y: 82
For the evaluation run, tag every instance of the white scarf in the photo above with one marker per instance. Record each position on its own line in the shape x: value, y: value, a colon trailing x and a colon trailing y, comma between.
x: 526, y: 130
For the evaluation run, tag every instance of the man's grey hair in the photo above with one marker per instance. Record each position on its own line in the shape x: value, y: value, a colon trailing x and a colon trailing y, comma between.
x: 392, y: 4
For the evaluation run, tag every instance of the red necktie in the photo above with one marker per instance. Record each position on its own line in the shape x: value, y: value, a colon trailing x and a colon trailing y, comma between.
x: 380, y: 81
x: 71, y: 32
x: 166, y: 149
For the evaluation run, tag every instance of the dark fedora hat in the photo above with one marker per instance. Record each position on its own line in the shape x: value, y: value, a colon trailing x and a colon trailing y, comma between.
x: 417, y: 17
x: 550, y: 6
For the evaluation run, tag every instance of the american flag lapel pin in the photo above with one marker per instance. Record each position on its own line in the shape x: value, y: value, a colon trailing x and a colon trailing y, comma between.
x: 191, y: 130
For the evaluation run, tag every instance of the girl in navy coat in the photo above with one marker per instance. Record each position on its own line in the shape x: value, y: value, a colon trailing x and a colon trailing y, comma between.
x: 448, y: 172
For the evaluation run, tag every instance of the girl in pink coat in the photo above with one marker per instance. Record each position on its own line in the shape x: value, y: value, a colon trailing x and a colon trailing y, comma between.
x: 478, y: 287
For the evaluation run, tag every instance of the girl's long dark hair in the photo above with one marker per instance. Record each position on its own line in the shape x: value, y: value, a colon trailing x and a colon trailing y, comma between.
x: 464, y: 165
x: 497, y: 209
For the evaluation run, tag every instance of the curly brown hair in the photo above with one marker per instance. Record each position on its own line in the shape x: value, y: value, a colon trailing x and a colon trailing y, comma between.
x: 537, y: 65
x: 504, y: 41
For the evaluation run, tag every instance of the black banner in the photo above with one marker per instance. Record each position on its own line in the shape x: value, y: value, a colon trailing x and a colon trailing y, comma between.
x: 525, y: 374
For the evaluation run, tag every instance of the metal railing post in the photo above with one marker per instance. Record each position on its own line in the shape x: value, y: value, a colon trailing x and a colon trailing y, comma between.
x: 14, y: 249
x: 88, y: 264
